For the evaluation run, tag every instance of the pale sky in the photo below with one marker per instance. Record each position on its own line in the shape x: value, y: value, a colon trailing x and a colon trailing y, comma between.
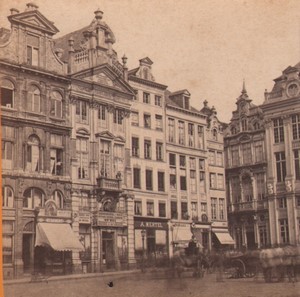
x: 205, y: 46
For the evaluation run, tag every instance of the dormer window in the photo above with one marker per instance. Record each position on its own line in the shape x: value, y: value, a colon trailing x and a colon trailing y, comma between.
x: 32, y: 50
x: 186, y: 102
x: 7, y: 94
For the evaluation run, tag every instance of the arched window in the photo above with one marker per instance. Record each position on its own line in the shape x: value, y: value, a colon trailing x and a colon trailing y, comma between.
x: 33, y: 154
x: 33, y: 198
x: 256, y: 126
x: 214, y: 134
x: 7, y: 93
x: 7, y: 197
x: 34, y: 100
x: 56, y: 104
x: 58, y: 198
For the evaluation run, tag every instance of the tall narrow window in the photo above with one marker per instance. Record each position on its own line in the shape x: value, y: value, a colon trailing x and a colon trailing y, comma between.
x: 134, y: 118
x: 161, y: 181
x: 82, y: 156
x: 171, y: 132
x: 200, y: 141
x: 147, y: 121
x: 191, y: 135
x: 174, y: 213
x: 247, y: 188
x: 278, y: 130
x: 193, y: 181
x: 222, y: 209
x: 202, y: 175
x: 162, y: 209
x: 235, y: 155
x: 33, y: 154
x: 220, y: 181
x: 102, y: 116
x: 236, y: 189
x: 7, y: 142
x: 260, y: 185
x: 7, y: 94
x: 105, y: 158
x: 258, y: 150
x: 214, y: 208
x: 118, y: 116
x: 81, y: 112
x: 146, y: 98
x: 212, y: 181
x: 118, y: 160
x: 159, y: 151
x: 297, y: 163
x: 181, y: 134
x: 158, y: 122
x: 194, y: 208
x: 34, y: 99
x: 219, y: 160
x: 137, y: 178
x: 280, y: 166
x: 147, y: 149
x: 157, y: 100
x: 184, y: 211
x: 149, y: 180
x: 150, y: 208
x: 211, y: 157
x: 135, y: 147
x: 172, y: 159
x: 32, y: 50
x: 56, y: 154
x: 56, y: 104
x: 284, y: 231
x: 138, y: 208
x: 58, y: 198
x: 247, y: 155
x: 7, y: 197
x: 296, y: 126
x: 173, y: 178
x: 183, y: 180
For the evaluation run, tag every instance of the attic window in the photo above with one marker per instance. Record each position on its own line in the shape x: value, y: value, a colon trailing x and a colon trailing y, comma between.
x: 186, y: 102
x: 32, y: 50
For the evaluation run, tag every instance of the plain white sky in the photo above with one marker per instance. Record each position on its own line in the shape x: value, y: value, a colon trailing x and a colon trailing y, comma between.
x: 205, y: 46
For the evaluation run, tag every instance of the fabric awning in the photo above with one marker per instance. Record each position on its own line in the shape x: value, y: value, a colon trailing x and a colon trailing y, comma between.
x: 224, y: 237
x: 58, y: 236
x: 182, y: 234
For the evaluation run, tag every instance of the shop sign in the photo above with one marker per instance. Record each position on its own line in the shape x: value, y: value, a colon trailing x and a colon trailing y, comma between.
x: 53, y: 220
x: 219, y: 224
x: 148, y: 224
x: 112, y: 219
x: 84, y: 218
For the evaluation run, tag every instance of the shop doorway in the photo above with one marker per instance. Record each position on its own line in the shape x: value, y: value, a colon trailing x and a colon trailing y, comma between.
x: 250, y: 239
x: 27, y: 252
x: 108, y: 247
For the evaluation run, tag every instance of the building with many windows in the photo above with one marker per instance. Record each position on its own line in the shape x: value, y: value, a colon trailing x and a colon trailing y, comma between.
x: 148, y: 160
x: 245, y: 151
x: 281, y: 110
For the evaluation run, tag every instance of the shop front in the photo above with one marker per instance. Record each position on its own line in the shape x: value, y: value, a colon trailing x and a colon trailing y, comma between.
x: 151, y: 241
x: 112, y: 234
x: 221, y: 239
x: 181, y: 235
x: 202, y: 233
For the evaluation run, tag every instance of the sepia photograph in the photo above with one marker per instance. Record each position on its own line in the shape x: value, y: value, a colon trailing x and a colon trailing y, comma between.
x: 150, y: 148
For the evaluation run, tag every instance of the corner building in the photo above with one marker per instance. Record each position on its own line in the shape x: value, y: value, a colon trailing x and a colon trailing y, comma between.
x: 282, y: 128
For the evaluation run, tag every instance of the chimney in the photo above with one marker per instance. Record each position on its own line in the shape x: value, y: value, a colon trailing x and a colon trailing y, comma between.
x: 14, y: 11
x: 71, y: 55
x: 31, y: 6
x: 125, y: 68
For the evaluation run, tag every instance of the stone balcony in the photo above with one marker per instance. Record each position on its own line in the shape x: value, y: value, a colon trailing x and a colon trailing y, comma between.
x: 248, y: 206
x: 109, y: 184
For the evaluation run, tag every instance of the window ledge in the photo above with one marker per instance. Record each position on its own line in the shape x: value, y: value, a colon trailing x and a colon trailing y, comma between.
x: 57, y: 119
x: 33, y: 113
x: 12, y: 109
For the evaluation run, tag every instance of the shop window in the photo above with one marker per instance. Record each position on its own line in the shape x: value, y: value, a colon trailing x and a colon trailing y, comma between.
x: 85, y: 239
x: 7, y: 94
x: 33, y: 198
x: 7, y: 197
x: 33, y: 154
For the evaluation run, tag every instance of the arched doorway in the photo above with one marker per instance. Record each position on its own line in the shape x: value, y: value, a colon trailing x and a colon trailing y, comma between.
x: 28, y: 247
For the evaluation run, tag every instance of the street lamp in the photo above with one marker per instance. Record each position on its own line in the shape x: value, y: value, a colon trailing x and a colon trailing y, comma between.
x: 143, y: 232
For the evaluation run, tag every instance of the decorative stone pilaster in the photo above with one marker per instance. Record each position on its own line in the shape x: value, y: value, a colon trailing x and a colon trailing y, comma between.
x: 130, y: 224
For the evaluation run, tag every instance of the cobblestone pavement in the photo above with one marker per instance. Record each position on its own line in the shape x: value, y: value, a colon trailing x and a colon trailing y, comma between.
x: 154, y: 285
